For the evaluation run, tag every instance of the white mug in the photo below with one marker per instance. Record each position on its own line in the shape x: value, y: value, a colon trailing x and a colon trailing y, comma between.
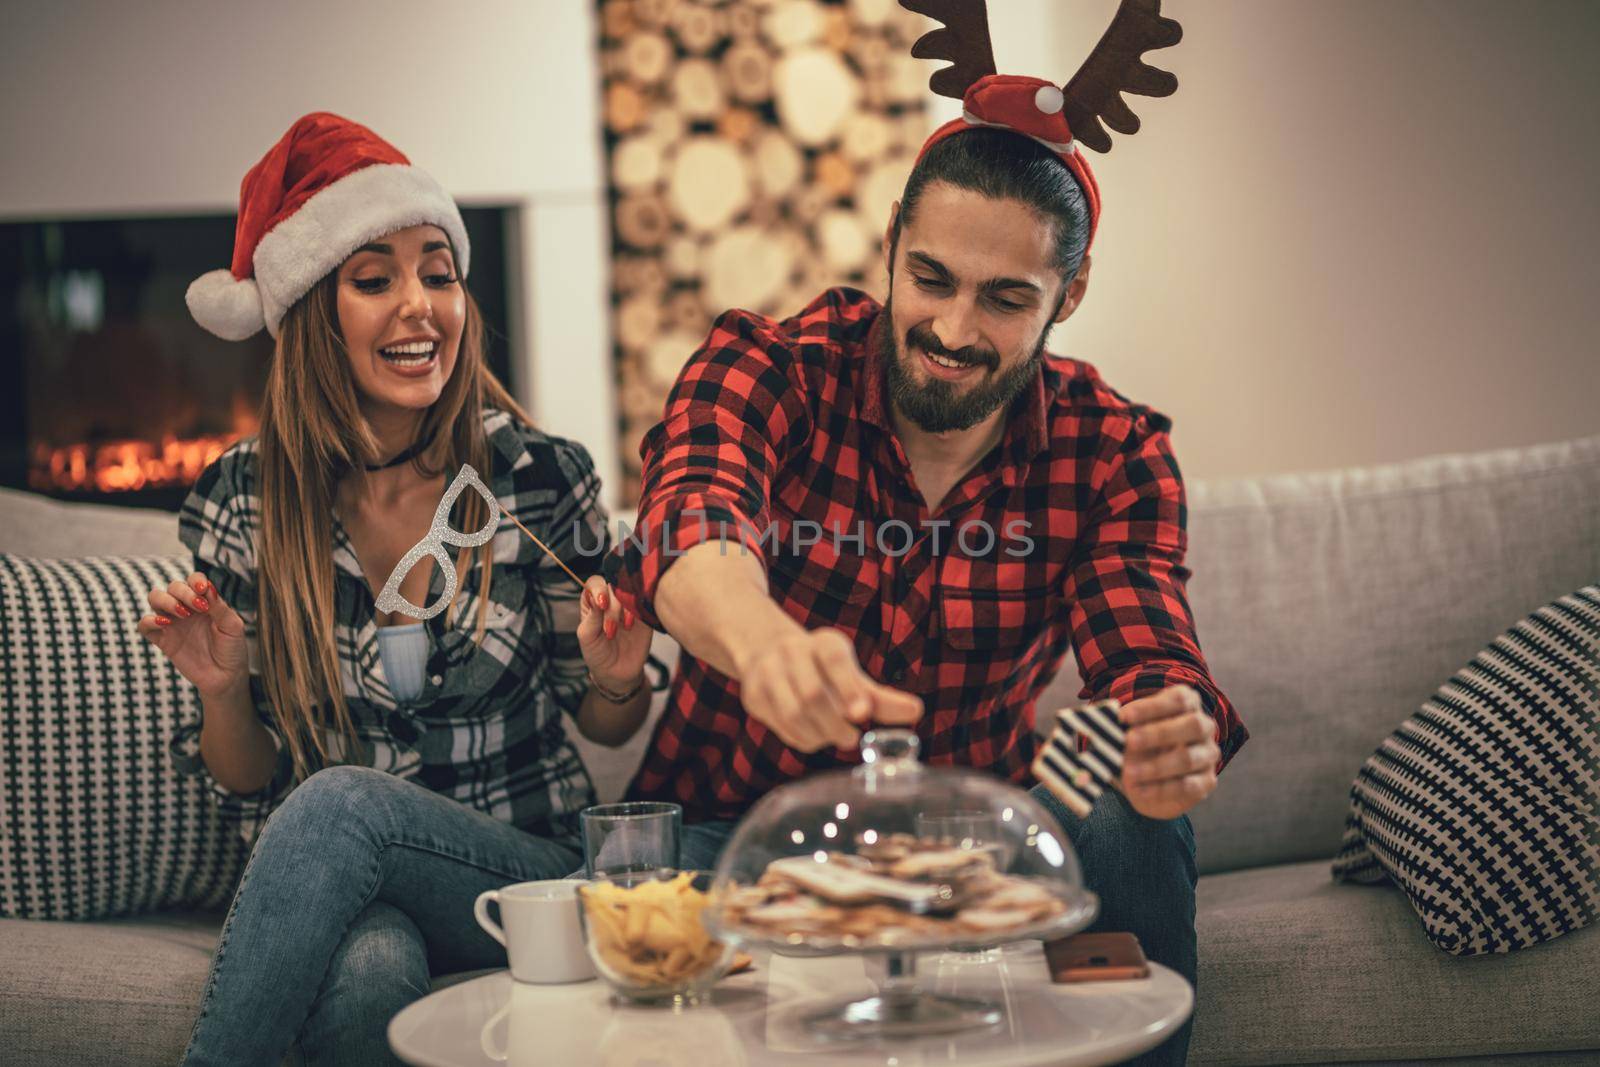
x: 539, y: 928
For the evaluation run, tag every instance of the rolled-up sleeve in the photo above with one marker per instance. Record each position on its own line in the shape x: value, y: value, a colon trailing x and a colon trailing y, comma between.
x: 1132, y: 629
x: 214, y: 525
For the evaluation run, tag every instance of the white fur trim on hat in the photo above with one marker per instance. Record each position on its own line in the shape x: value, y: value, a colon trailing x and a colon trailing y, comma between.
x: 360, y: 207
x: 227, y: 306
x: 1069, y: 148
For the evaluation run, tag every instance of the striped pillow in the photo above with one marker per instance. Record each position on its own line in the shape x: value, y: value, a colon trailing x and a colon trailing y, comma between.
x: 94, y: 820
x: 1482, y: 806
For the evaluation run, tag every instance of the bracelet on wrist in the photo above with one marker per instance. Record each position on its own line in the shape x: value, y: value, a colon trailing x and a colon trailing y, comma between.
x: 612, y: 695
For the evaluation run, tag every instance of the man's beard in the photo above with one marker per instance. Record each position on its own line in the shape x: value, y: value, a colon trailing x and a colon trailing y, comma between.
x: 937, y: 406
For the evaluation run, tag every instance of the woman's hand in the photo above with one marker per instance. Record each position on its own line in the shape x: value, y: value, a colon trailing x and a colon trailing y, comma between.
x: 613, y: 642
x: 201, y: 635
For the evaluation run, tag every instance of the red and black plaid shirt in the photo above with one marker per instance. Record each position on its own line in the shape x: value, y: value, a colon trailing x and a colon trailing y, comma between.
x: 782, y: 429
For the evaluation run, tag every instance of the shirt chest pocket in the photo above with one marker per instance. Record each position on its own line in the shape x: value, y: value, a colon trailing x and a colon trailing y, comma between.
x: 973, y: 620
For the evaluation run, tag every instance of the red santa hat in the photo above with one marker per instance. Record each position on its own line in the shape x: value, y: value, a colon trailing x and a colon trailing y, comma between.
x: 1029, y: 106
x: 325, y: 189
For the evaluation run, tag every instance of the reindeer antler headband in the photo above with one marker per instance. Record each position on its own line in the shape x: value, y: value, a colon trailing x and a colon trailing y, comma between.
x: 1059, y: 117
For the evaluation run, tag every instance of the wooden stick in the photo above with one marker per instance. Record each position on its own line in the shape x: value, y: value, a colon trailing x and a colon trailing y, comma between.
x: 541, y: 544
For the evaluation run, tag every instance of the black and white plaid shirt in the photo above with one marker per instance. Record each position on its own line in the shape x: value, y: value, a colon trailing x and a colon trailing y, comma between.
x: 486, y: 729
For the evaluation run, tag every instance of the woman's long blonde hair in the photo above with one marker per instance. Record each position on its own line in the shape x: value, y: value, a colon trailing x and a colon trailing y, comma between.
x: 313, y: 435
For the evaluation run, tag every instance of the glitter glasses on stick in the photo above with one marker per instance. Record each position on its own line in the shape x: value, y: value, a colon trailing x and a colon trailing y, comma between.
x: 439, y: 535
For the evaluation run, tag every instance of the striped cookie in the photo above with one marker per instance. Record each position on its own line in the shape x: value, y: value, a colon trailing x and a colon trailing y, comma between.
x: 1078, y: 778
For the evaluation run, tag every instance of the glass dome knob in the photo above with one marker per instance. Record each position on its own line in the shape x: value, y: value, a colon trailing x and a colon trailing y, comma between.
x: 890, y: 744
x: 888, y: 755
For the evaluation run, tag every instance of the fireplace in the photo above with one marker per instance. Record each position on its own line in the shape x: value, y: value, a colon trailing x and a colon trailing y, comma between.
x: 109, y: 392
x: 103, y: 468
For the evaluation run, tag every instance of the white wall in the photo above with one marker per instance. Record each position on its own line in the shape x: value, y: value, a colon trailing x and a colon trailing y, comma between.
x: 116, y: 107
x: 1360, y: 232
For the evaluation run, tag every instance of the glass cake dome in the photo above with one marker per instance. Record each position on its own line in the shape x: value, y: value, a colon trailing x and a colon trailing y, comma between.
x: 893, y: 858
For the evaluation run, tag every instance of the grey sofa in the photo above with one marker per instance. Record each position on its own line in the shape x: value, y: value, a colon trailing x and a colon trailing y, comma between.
x: 1330, y: 606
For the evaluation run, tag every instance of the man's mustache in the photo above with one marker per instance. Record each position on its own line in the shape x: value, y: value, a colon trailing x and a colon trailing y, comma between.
x: 923, y: 338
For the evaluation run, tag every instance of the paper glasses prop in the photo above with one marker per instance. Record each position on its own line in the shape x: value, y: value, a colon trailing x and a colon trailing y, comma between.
x: 440, y: 534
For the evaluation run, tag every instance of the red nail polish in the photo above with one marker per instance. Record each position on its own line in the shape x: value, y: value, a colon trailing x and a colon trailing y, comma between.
x: 627, y: 619
x: 611, y: 627
x: 181, y: 611
x: 201, y: 588
x: 162, y: 620
x: 200, y: 602
x: 602, y: 601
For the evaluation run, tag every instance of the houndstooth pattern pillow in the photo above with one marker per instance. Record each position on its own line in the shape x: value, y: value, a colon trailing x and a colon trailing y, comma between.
x: 94, y: 820
x: 1482, y: 806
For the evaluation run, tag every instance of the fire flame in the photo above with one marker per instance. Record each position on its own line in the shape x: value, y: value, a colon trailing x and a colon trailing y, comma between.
x: 125, y: 466
x: 131, y: 465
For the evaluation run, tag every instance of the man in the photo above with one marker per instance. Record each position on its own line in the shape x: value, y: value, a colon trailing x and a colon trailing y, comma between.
x: 812, y: 532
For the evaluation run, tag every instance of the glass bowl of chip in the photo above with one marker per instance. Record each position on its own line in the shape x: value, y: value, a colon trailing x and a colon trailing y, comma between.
x: 645, y: 933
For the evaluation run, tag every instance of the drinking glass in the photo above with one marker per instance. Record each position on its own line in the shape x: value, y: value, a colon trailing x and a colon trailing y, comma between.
x: 631, y: 838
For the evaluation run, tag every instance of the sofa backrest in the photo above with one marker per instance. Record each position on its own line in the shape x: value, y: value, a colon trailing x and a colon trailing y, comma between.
x: 1330, y: 606
x: 33, y: 525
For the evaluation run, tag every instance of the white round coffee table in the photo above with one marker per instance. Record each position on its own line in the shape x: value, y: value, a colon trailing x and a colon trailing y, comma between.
x: 753, y: 1020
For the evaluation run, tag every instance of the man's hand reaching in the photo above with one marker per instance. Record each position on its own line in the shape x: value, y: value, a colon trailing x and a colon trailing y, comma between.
x: 809, y: 689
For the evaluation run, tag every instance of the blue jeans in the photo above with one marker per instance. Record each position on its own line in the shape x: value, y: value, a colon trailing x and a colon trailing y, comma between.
x: 1142, y: 869
x: 360, y: 886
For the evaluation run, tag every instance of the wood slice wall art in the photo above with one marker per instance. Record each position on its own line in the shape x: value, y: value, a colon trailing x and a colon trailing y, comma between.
x: 753, y: 149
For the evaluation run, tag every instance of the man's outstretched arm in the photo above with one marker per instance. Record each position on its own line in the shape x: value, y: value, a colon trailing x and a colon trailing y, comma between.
x: 805, y: 685
x: 735, y: 415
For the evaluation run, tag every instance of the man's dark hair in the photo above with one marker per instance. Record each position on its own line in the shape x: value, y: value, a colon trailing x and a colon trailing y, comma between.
x: 1001, y: 164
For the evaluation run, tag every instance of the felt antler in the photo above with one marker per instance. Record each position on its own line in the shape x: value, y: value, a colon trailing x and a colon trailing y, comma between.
x: 963, y: 40
x: 1116, y: 67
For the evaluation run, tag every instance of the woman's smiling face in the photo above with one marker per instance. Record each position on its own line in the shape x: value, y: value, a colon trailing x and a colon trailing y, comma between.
x: 401, y: 311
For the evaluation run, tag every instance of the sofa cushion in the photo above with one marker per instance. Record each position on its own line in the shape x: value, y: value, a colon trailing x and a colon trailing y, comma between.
x: 94, y: 820
x: 119, y: 992
x: 1482, y: 806
x: 1296, y: 968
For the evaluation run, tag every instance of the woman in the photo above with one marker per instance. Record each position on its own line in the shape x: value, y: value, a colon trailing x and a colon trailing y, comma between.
x: 430, y: 756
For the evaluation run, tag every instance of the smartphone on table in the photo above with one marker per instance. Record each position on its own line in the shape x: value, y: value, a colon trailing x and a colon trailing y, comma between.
x: 1096, y: 958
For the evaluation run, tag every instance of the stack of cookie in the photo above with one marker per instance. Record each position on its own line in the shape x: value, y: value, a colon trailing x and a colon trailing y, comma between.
x: 895, y: 888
